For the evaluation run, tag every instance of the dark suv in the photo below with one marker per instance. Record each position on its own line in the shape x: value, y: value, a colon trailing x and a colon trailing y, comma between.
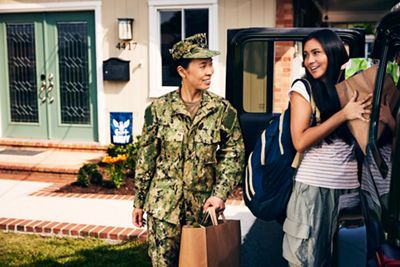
x: 261, y: 64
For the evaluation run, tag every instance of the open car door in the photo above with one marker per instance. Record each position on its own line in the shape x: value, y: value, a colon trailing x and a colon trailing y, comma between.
x: 261, y: 65
x: 381, y: 172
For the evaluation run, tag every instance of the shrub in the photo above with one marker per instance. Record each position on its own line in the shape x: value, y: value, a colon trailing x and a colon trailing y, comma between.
x: 115, y: 168
x: 131, y: 151
x: 96, y: 177
x: 89, y: 173
x: 119, y: 161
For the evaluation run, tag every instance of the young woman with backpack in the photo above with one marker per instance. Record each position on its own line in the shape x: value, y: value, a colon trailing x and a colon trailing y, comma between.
x: 328, y: 168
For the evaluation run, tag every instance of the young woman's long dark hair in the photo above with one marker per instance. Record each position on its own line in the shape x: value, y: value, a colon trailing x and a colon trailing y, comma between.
x: 323, y: 89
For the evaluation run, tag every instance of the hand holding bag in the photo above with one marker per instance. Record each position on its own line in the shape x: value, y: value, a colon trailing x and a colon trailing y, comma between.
x: 364, y: 83
x: 217, y: 245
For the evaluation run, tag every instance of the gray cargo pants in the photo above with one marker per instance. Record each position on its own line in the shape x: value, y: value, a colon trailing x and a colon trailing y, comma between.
x: 310, y: 225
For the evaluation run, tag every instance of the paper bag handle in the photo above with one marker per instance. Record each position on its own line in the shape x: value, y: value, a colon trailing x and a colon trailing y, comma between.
x: 213, y: 216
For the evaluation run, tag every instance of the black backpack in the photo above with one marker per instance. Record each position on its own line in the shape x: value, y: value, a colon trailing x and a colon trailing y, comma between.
x: 271, y: 167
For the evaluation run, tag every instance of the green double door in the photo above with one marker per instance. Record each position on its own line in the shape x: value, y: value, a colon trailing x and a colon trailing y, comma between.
x: 48, y: 76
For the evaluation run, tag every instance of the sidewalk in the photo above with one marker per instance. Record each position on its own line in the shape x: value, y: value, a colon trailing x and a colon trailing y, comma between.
x: 27, y: 206
x: 30, y: 204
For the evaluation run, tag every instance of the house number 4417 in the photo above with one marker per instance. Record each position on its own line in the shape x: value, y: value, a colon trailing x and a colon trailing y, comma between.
x: 126, y: 45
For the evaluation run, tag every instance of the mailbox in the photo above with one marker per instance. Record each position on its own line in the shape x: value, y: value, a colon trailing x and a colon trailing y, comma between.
x: 115, y: 69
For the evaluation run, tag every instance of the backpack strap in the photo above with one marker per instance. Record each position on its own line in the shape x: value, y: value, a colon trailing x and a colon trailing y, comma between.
x: 315, y: 114
x: 314, y: 108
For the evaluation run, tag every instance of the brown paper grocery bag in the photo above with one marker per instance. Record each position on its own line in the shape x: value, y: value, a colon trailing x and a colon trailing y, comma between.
x: 364, y: 83
x: 212, y: 246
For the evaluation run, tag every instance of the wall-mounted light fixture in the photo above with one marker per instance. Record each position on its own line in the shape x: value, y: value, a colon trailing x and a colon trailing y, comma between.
x: 125, y: 29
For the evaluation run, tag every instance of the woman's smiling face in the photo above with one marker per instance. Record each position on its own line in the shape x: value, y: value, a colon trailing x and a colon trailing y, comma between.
x: 315, y: 58
x: 198, y: 74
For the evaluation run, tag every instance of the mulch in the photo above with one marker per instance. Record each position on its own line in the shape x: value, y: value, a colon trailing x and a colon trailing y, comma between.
x: 106, y: 187
x: 126, y: 188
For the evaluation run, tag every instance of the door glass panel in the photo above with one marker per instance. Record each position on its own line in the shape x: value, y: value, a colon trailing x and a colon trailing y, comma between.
x: 74, y: 77
x: 22, y: 72
x: 286, y: 65
x: 171, y: 32
x: 196, y: 21
x: 255, y: 56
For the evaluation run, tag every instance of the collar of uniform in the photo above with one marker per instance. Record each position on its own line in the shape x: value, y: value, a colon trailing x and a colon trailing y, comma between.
x: 206, y: 102
x: 206, y: 105
x: 177, y: 105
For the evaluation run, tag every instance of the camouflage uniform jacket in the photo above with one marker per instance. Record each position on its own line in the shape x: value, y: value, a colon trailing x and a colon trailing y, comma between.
x: 185, y: 161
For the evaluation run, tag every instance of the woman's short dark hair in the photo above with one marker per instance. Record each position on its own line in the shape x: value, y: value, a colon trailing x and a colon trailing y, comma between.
x: 184, y: 62
x: 324, y: 91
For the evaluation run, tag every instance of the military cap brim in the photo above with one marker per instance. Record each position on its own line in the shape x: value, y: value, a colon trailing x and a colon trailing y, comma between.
x: 204, y: 53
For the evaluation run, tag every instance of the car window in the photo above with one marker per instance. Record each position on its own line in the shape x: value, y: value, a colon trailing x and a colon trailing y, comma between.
x: 255, y: 76
x: 285, y: 60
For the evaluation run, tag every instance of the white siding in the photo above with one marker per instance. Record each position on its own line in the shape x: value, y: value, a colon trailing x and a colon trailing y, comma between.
x: 133, y: 96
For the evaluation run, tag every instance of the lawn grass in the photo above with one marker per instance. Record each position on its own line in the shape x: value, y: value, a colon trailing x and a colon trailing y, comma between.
x: 36, y: 250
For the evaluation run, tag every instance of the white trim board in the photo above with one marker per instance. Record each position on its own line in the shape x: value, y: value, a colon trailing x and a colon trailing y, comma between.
x: 37, y: 7
x: 181, y: 2
x: 155, y: 80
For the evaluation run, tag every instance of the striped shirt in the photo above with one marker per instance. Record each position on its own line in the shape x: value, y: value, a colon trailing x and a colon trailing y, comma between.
x: 380, y: 186
x: 327, y: 165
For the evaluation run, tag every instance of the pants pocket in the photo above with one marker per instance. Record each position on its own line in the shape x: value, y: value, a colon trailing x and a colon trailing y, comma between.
x: 295, y: 242
x: 296, y: 229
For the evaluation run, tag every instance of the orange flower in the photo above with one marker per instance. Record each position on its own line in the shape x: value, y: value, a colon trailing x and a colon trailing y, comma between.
x: 107, y: 159
x: 118, y: 158
x: 121, y: 157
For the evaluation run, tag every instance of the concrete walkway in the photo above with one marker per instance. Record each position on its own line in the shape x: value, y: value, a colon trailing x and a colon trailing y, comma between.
x: 26, y: 207
x: 30, y: 204
x: 21, y: 209
x: 22, y: 205
x: 19, y: 200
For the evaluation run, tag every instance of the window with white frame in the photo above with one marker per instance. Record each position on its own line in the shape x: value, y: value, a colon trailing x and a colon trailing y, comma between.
x: 170, y: 22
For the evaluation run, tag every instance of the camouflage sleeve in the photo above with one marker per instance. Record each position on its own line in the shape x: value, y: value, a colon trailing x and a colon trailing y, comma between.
x: 148, y: 152
x: 230, y: 156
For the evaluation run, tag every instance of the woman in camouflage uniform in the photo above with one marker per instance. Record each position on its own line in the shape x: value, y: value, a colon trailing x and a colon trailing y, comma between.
x: 192, y: 153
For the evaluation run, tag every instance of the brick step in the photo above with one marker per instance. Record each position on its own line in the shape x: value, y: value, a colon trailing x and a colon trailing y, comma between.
x: 35, y: 161
x: 58, y: 178
x: 23, y: 167
x: 52, y: 163
x: 50, y: 144
x: 71, y: 229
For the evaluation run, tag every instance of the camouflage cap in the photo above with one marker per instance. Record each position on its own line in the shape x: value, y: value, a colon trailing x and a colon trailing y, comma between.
x: 194, y: 46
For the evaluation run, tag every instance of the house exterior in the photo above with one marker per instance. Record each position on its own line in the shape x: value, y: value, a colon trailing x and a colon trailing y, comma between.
x: 52, y: 82
x: 51, y: 59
